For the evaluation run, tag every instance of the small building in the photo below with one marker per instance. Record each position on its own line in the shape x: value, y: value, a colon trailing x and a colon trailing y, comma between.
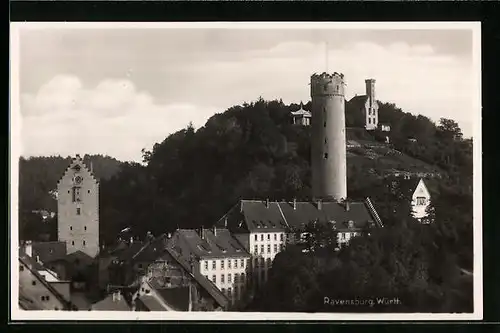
x: 113, y: 302
x: 38, y: 293
x: 420, y: 201
x: 364, y: 108
x: 301, y: 116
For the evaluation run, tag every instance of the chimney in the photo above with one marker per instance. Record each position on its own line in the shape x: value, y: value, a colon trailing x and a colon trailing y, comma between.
x: 347, y: 206
x: 215, y: 231
x: 202, y: 233
x: 267, y: 203
x: 131, y: 240
x: 91, y: 167
x: 319, y: 204
x: 225, y: 222
x: 28, y: 248
x: 169, y: 235
x: 294, y: 204
x: 241, y: 206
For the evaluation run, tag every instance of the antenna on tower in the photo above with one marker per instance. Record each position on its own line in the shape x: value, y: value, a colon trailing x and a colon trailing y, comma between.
x: 326, y: 56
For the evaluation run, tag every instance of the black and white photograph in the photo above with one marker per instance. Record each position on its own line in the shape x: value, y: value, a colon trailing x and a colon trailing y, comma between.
x: 246, y: 171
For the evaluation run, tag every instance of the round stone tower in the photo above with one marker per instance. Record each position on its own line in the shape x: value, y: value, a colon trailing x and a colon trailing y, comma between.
x: 328, y: 137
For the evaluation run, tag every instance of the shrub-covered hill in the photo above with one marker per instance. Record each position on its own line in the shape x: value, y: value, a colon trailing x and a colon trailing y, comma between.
x: 253, y: 151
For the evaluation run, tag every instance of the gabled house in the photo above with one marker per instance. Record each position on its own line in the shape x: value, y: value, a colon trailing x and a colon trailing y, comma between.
x: 420, y: 201
x: 159, y: 262
x: 35, y: 292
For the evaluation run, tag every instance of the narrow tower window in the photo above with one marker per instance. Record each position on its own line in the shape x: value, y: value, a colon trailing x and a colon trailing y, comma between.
x: 76, y: 194
x: 326, y: 155
x: 83, y: 243
x: 72, y: 242
x: 324, y: 124
x: 78, y: 211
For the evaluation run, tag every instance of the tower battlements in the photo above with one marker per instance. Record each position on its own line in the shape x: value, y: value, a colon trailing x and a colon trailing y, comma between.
x: 325, y: 84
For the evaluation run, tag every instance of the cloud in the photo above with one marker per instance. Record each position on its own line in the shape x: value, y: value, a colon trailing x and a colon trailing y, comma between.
x: 116, y: 117
x: 112, y: 118
x: 415, y: 77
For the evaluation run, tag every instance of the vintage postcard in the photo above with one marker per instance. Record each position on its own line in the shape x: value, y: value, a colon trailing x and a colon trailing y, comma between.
x: 246, y: 171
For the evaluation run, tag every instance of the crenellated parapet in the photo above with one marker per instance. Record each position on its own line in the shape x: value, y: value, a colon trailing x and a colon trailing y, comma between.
x: 325, y: 84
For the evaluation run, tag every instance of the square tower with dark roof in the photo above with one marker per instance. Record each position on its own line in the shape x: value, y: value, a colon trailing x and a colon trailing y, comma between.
x: 78, y: 209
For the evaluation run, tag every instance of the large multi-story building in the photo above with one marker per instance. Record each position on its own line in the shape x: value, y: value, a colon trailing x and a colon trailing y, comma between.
x: 218, y: 256
x: 78, y: 209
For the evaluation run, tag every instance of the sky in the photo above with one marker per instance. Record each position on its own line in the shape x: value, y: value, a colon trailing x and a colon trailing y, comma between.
x: 116, y: 91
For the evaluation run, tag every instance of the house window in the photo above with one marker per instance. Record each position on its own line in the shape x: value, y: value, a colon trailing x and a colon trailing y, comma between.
x: 223, y: 290
x: 282, y: 247
x: 78, y: 211
x: 88, y: 191
x: 85, y: 228
x: 214, y: 278
x: 262, y: 249
x: 43, y: 298
x: 33, y: 283
x: 256, y: 249
x: 235, y: 263
x: 147, y: 291
x: 248, y: 262
x: 206, y: 277
x: 255, y: 237
x: 275, y: 248
x: 242, y: 279
x: 268, y: 262
x: 73, y: 243
x: 236, y: 276
x: 281, y: 237
x: 222, y: 278
x: 47, y: 298
x: 206, y: 265
x: 229, y: 263
x: 222, y: 264
x: 324, y: 124
x: 268, y: 236
x: 275, y: 236
x: 325, y: 155
x: 229, y: 292
x: 242, y: 263
x: 70, y: 228
x: 21, y: 268
x: 83, y: 243
x: 420, y: 201
x: 214, y: 264
x: 268, y: 248
x: 261, y: 237
x: 229, y: 278
x: 369, y: 120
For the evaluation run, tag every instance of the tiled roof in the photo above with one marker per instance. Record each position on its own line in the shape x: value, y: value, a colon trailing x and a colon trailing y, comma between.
x: 151, y: 250
x: 126, y: 254
x: 79, y: 255
x: 357, y: 102
x: 206, y: 284
x: 177, y: 298
x: 301, y: 112
x: 49, y: 251
x: 151, y: 303
x: 211, y: 245
x: 260, y: 216
x: 111, y: 304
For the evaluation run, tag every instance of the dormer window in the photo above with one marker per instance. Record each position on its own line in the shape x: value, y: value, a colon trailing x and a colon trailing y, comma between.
x: 420, y: 201
x: 350, y: 224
